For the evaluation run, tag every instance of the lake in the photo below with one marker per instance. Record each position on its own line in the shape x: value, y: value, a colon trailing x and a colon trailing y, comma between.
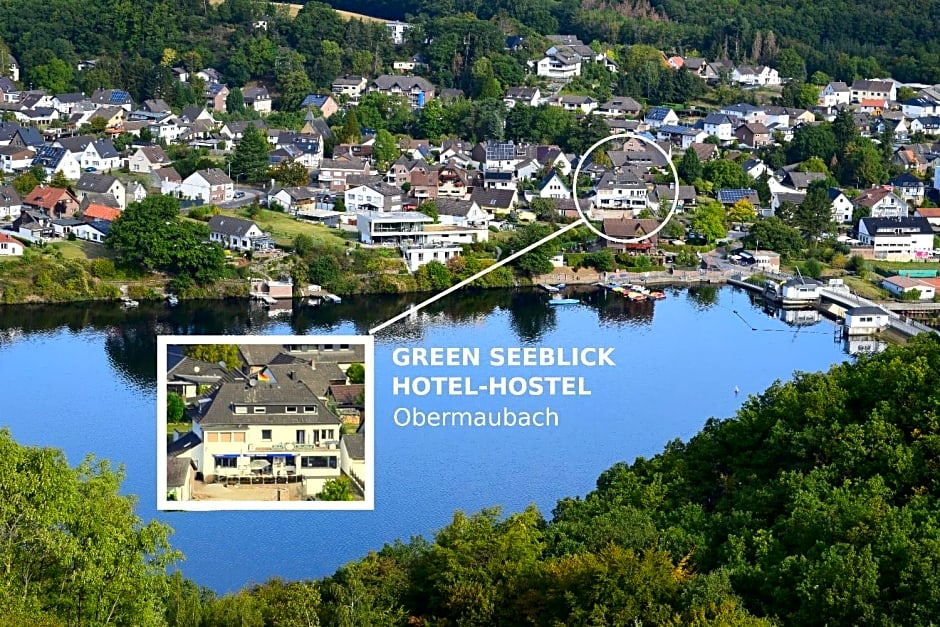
x: 82, y: 378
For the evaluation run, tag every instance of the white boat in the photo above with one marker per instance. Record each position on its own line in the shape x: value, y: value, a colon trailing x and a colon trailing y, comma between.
x: 564, y: 301
x: 172, y: 300
x: 129, y: 302
x: 333, y: 298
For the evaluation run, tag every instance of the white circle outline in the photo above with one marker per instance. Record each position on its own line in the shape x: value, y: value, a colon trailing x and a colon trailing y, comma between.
x: 577, y: 205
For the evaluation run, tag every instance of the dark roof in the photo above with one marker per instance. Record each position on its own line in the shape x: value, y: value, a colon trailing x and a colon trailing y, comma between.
x: 915, y: 225
x: 866, y: 311
x: 227, y: 225
x: 274, y: 397
x: 185, y: 443
x: 629, y: 228
x: 658, y: 113
x: 355, y: 445
x: 734, y: 195
x: 198, y: 371
x: 488, y: 198
x: 95, y: 182
x: 452, y: 206
x: 177, y: 470
x: 348, y: 394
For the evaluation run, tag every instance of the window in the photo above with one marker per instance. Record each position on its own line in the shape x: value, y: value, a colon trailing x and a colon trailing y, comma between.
x: 225, y: 437
x: 226, y: 462
x: 260, y: 410
x: 301, y: 436
x: 316, y: 462
x: 212, y: 436
x: 266, y: 435
x: 238, y: 437
x: 310, y: 409
x: 241, y: 409
x: 291, y: 409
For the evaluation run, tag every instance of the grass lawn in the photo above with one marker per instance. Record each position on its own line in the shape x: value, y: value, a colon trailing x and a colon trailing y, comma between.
x: 283, y: 228
x: 865, y: 288
x: 82, y: 250
x: 906, y: 265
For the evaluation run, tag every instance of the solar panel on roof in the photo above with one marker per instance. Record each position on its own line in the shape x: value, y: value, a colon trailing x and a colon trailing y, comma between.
x: 734, y: 195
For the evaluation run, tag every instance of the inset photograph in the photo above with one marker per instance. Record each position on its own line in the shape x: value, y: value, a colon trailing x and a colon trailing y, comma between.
x: 265, y: 422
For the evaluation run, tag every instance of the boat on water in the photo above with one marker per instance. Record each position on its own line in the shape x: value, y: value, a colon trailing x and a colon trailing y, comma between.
x: 333, y: 298
x: 129, y: 302
x: 172, y: 300
x: 549, y: 288
x: 564, y: 301
x: 657, y: 295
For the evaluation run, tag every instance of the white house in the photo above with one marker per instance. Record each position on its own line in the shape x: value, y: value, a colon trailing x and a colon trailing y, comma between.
x: 834, y: 94
x: 874, y: 90
x: 375, y: 197
x: 238, y: 234
x: 212, y: 186
x: 10, y: 202
x: 552, y: 186
x: 276, y: 428
x: 397, y: 30
x: 920, y: 107
x: 866, y: 320
x: 661, y: 116
x: 719, y: 125
x: 882, y: 202
x: 10, y: 247
x: 92, y: 154
x: 901, y: 285
x: 755, y: 75
x: 622, y: 191
x: 558, y: 65
x: 842, y: 207
x: 897, y: 239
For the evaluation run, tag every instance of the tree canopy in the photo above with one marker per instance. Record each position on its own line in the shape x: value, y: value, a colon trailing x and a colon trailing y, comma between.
x: 150, y: 234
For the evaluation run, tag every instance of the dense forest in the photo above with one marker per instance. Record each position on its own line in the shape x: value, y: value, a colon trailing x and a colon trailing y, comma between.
x: 135, y: 45
x: 817, y: 504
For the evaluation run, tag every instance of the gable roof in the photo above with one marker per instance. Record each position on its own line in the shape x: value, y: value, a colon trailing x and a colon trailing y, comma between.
x: 95, y: 182
x: 183, y: 444
x: 269, y: 394
x: 101, y: 212
x: 9, y: 196
x: 228, y: 225
x: 888, y: 226
x: 630, y: 227
x: 214, y: 176
x: 355, y: 445
x: 488, y: 199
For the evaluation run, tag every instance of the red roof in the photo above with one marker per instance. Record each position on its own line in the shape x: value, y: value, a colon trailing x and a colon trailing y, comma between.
x: 101, y: 212
x: 873, y: 102
x: 928, y: 212
x: 47, y: 197
x: 10, y: 240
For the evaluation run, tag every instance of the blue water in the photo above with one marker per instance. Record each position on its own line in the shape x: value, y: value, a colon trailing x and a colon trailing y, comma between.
x: 678, y: 363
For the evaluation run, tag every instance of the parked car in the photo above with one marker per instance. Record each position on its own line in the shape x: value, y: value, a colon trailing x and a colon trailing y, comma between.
x: 239, y: 194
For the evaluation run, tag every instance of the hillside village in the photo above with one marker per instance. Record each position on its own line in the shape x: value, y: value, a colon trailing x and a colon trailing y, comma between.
x: 791, y: 163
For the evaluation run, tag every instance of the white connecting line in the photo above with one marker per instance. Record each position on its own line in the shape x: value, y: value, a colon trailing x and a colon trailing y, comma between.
x: 467, y: 281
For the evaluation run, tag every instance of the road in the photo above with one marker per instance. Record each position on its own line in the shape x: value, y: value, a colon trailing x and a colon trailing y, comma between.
x: 251, y: 195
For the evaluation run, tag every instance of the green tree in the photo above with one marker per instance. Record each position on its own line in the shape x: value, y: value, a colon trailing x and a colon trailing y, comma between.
x: 742, y: 211
x: 55, y: 76
x: 175, y: 407
x: 709, y: 221
x: 863, y: 164
x: 385, y: 149
x: 433, y: 276
x: 350, y: 133
x: 216, y: 354
x: 726, y: 174
x: 289, y: 174
x: 356, y: 373
x: 814, y: 214
x: 249, y: 161
x: 151, y: 235
x: 25, y: 183
x: 235, y: 101
x: 336, y: 490
x: 72, y: 546
x: 772, y: 234
x: 690, y: 166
